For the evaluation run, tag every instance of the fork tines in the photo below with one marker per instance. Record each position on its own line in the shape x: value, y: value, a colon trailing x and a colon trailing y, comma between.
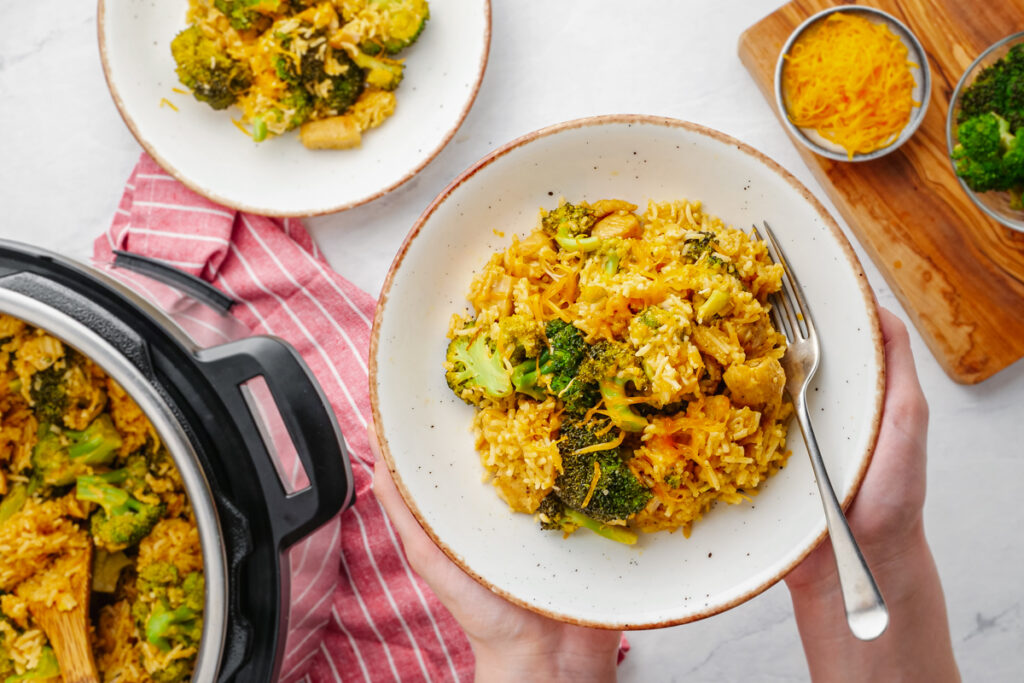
x: 790, y: 312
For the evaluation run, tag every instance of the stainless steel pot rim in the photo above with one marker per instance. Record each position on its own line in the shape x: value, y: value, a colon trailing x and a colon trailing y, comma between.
x: 174, y: 438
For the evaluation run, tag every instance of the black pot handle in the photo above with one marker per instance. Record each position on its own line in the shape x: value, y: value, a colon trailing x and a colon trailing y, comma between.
x: 198, y: 289
x: 310, y: 423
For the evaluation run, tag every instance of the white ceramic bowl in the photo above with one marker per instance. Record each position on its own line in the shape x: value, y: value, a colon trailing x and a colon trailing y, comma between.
x: 203, y: 149
x: 816, y: 142
x: 736, y: 551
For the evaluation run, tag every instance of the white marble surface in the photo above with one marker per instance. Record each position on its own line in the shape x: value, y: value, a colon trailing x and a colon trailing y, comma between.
x: 62, y: 170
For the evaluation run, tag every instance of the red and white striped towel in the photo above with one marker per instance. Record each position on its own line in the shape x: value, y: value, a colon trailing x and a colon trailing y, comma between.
x: 379, y: 620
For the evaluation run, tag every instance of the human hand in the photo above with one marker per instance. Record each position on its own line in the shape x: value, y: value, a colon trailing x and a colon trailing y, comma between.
x: 509, y: 642
x: 886, y: 519
x: 886, y: 515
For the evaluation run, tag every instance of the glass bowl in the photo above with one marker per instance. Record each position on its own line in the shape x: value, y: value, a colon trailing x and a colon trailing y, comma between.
x: 994, y: 203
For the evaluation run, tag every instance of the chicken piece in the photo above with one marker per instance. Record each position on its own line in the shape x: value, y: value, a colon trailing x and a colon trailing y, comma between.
x: 605, y: 207
x: 621, y: 224
x: 757, y: 337
x: 756, y: 383
x: 337, y: 132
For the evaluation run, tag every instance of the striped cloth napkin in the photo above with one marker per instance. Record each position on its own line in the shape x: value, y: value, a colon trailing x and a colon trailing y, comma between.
x: 359, y: 611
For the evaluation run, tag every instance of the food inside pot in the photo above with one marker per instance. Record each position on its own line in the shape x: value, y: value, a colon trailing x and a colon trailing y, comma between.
x: 87, y: 491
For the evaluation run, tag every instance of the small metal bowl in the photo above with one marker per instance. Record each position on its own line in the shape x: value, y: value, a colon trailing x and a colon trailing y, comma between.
x: 995, y: 204
x: 922, y: 85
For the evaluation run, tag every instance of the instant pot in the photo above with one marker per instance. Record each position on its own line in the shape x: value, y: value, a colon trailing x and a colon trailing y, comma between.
x: 229, y: 408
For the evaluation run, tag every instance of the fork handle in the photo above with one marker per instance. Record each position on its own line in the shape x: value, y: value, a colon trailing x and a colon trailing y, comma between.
x: 866, y: 612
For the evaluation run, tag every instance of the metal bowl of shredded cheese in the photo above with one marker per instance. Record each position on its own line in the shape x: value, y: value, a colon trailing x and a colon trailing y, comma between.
x: 852, y: 83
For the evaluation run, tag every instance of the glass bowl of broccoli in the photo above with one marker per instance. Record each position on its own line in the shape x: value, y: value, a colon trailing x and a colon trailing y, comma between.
x: 985, y: 131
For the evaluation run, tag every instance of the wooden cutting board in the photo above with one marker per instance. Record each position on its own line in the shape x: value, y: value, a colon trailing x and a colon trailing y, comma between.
x: 959, y: 274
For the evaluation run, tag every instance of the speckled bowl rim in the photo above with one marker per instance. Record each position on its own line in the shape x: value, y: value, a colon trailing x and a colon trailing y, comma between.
x: 866, y: 291
x: 1006, y: 221
x: 266, y: 211
x: 916, y: 117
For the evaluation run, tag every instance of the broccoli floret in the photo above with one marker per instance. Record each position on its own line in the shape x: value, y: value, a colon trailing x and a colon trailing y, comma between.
x: 716, y: 302
x: 97, y: 444
x: 568, y: 219
x: 596, y: 483
x: 980, y: 176
x: 381, y: 72
x: 12, y: 502
x: 122, y: 520
x: 613, y: 250
x: 164, y: 624
x: 194, y: 591
x: 556, y: 516
x: 106, y: 570
x: 612, y: 365
x: 577, y: 396
x: 248, y: 14
x: 526, y: 378
x: 570, y: 225
x: 49, y: 395
x: 130, y: 477
x: 697, y: 244
x: 346, y: 78
x: 999, y: 89
x: 405, y: 21
x: 646, y: 409
x: 988, y: 156
x: 654, y: 317
x: 155, y: 579
x: 47, y: 668
x: 474, y: 363
x: 617, y: 495
x: 51, y: 462
x: 523, y: 334
x: 567, y: 347
x: 206, y: 70
x: 555, y: 371
x: 298, y: 102
x: 59, y: 458
x: 984, y: 136
x: 168, y: 610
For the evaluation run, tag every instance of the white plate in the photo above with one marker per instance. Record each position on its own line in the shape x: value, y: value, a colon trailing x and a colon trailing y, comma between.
x: 736, y: 551
x: 203, y: 148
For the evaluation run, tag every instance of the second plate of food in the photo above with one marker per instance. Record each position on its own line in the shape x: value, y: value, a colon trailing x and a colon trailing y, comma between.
x: 376, y: 76
x: 594, y: 355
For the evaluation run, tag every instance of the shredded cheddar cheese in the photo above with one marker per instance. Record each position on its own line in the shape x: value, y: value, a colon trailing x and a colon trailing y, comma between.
x: 851, y: 81
x: 607, y: 445
x: 593, y: 484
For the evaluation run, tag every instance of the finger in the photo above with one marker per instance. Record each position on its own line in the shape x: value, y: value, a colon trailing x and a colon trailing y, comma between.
x: 418, y: 546
x: 906, y: 408
x: 899, y: 360
x: 385, y: 490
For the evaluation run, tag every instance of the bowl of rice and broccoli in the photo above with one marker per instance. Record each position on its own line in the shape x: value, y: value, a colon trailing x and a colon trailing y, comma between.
x: 293, y: 107
x: 595, y: 400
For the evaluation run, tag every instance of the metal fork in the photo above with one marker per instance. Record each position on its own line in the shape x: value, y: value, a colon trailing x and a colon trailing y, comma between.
x: 866, y: 612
